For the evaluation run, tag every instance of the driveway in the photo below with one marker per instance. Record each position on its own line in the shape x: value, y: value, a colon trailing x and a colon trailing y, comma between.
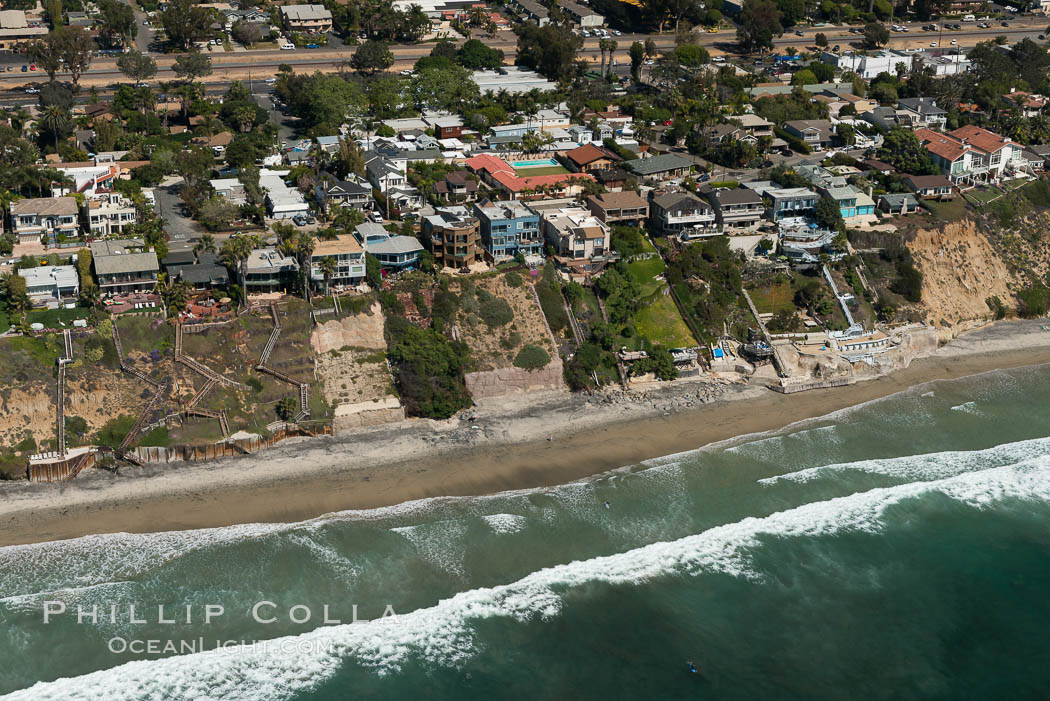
x: 183, y: 232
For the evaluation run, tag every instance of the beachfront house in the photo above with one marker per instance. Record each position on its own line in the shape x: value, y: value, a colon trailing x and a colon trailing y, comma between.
x: 507, y: 228
x: 348, y: 257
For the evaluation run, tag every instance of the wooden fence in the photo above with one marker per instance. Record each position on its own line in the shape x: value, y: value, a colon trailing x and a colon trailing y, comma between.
x: 215, y: 451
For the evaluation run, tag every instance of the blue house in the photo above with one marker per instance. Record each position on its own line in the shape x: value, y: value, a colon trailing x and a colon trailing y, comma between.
x: 852, y: 202
x: 508, y: 228
x: 518, y: 130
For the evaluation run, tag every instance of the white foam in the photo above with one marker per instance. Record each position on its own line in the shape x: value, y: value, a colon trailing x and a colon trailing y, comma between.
x: 967, y: 407
x: 441, y: 634
x: 927, y: 466
x: 441, y: 543
x: 505, y: 523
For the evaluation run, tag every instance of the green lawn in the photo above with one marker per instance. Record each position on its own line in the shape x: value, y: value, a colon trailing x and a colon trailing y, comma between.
x: 5, y: 321
x: 772, y: 299
x: 646, y: 271
x: 947, y: 211
x: 50, y: 317
x: 984, y: 194
x: 657, y: 318
x: 660, y: 322
x: 540, y: 170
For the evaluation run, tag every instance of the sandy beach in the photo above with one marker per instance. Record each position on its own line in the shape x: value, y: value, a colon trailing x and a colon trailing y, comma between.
x: 506, y: 448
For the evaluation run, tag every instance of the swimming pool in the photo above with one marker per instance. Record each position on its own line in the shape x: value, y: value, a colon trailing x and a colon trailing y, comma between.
x: 542, y: 162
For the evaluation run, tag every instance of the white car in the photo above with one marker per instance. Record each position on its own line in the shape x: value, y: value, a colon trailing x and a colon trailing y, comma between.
x: 718, y: 59
x: 287, y: 47
x: 32, y: 91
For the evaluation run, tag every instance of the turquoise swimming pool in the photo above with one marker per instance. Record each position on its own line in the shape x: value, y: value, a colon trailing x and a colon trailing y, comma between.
x: 542, y: 162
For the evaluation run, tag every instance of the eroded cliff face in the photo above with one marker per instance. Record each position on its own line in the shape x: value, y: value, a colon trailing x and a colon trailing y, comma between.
x: 961, y: 269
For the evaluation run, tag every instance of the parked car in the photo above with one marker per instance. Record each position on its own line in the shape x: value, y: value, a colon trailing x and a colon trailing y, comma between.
x: 32, y: 90
x: 299, y: 220
x: 376, y: 217
x: 313, y: 46
x: 718, y: 59
x: 25, y: 68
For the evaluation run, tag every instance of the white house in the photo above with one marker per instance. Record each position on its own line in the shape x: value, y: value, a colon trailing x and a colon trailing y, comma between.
x: 51, y: 282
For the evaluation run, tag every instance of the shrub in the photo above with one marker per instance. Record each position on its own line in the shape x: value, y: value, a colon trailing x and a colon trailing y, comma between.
x: 114, y: 431
x: 1033, y: 301
x: 511, y: 340
x: 909, y: 281
x: 1037, y: 192
x: 496, y: 312
x: 549, y: 292
x: 997, y: 306
x: 158, y: 437
x: 255, y: 384
x: 532, y: 358
x: 513, y: 279
x: 428, y: 369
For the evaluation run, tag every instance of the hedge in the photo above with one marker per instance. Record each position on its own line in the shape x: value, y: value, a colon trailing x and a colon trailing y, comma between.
x: 532, y: 358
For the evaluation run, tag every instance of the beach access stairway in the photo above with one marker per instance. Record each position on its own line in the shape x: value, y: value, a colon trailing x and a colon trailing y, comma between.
x: 197, y: 366
x: 134, y: 372
x: 841, y: 299
x: 778, y: 361
x: 150, y: 407
x: 60, y: 413
x: 81, y: 463
x: 271, y: 342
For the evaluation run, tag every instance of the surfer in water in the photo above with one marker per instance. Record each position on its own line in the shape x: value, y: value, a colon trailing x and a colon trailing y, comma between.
x: 607, y: 505
x: 692, y: 668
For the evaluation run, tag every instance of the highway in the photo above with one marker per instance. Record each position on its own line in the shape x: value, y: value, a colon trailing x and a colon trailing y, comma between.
x: 237, y: 65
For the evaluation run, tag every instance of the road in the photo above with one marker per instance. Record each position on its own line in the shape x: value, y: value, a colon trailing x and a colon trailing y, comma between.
x: 235, y: 65
x: 240, y: 65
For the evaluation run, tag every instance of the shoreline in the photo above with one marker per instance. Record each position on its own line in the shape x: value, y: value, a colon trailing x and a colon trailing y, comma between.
x: 506, y: 449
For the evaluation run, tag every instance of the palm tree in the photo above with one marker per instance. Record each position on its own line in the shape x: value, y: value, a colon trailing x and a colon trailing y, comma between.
x: 54, y: 119
x: 328, y: 268
x: 245, y: 117
x: 235, y: 252
x: 206, y: 244
x: 304, y: 250
x: 89, y: 295
x: 611, y: 45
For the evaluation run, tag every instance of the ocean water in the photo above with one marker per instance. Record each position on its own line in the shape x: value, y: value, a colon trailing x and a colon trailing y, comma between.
x: 897, y: 550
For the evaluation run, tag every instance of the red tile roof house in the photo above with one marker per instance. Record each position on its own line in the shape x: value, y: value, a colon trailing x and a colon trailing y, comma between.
x: 590, y: 158
x: 970, y: 155
x: 499, y: 175
x: 1027, y: 104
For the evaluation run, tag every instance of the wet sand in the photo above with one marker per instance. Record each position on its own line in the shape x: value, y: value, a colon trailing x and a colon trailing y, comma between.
x: 386, y: 466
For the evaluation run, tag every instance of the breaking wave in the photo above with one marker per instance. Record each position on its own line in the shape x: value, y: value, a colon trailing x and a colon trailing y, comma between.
x: 442, y: 634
